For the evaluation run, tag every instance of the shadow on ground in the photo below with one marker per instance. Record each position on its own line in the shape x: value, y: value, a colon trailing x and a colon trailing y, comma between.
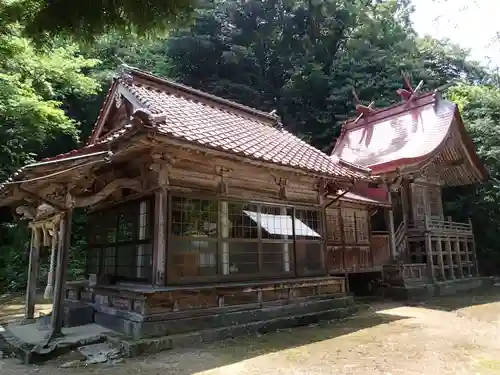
x: 296, y: 342
x: 12, y: 307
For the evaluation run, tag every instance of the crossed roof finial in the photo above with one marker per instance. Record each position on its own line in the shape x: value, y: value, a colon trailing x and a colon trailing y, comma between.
x: 364, y: 111
x: 408, y: 93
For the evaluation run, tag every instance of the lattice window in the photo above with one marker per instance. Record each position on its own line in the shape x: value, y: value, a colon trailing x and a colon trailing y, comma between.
x: 259, y: 238
x: 276, y: 228
x: 193, y: 237
x: 333, y: 228
x: 120, y: 241
x: 213, y: 237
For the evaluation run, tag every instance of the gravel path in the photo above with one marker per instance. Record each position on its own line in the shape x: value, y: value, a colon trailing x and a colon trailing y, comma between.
x: 457, y: 335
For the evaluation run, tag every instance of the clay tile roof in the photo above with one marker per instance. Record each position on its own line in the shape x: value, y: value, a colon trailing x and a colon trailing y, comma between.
x: 213, y: 122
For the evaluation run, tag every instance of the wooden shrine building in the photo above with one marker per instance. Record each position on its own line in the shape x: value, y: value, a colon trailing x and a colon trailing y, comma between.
x: 206, y: 214
x: 198, y: 210
x: 417, y: 148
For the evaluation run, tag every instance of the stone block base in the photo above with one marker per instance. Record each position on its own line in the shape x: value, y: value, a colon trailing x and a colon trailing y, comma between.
x: 137, y: 326
x: 133, y: 348
x: 437, y: 289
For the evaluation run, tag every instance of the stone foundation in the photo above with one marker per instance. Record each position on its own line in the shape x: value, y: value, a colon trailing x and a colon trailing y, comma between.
x: 132, y: 348
x: 137, y: 326
x: 443, y: 288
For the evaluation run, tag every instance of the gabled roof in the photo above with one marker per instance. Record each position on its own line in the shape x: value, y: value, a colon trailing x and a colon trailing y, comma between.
x: 195, y: 117
x: 410, y: 136
x: 191, y: 116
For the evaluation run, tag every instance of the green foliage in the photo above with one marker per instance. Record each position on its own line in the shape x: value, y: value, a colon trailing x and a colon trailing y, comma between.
x: 36, y: 86
x: 299, y: 57
x: 480, y: 106
x: 304, y: 58
x: 33, y: 86
x: 42, y: 19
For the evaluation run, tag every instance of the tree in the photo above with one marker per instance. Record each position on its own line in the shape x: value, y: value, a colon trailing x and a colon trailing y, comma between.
x: 304, y: 58
x: 36, y: 86
x: 82, y: 19
x: 33, y: 86
x: 480, y: 107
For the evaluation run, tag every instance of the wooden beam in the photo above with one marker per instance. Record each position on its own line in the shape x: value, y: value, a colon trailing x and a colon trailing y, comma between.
x: 342, y: 241
x: 439, y: 249
x: 392, y: 234
x: 451, y: 263
x: 34, y: 265
x: 61, y: 274
x: 428, y: 248
x: 160, y: 247
x: 49, y: 289
x: 474, y: 254
x: 122, y: 183
x: 459, y: 257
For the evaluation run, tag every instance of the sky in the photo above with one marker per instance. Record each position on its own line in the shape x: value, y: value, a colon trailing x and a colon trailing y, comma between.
x: 473, y: 24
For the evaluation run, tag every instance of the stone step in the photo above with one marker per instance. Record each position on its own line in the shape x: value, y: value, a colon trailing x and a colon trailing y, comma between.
x: 133, y: 348
x: 163, y: 325
x: 77, y: 314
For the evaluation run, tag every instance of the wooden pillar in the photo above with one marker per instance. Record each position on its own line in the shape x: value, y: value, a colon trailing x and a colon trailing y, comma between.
x: 459, y: 257
x: 61, y: 272
x: 439, y: 249
x: 474, y: 254
x: 449, y: 250
x: 49, y: 289
x: 467, y: 255
x: 370, y: 241
x: 428, y: 248
x: 392, y: 234
x: 34, y: 265
x: 160, y: 237
x: 342, y: 241
x: 451, y: 264
x: 286, y: 245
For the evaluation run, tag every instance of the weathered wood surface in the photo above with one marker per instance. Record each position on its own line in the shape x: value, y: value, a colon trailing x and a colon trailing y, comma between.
x: 380, y: 249
x: 152, y: 300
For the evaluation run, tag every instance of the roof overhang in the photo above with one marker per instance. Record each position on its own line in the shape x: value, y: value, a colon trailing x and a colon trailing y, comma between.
x: 407, y: 138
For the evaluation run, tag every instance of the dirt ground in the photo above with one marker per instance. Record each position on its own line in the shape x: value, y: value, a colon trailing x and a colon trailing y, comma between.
x: 452, y: 335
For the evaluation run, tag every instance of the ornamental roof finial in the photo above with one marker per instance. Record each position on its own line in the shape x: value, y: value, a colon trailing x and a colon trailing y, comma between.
x: 408, y: 93
x: 363, y: 110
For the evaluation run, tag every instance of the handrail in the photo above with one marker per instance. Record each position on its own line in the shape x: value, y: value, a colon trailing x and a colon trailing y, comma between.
x: 440, y: 224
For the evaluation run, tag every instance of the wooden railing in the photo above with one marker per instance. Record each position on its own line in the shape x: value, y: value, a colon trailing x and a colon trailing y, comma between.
x: 399, y: 274
x: 441, y: 225
x: 414, y: 271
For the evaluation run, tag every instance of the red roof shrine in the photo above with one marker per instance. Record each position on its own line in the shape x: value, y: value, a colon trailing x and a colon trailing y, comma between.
x: 406, y: 138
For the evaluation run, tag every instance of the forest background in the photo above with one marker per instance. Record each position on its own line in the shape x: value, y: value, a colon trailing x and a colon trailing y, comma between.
x: 299, y: 57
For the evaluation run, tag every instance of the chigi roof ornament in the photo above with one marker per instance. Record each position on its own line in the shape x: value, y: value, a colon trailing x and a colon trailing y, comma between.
x: 408, y: 93
x: 363, y: 110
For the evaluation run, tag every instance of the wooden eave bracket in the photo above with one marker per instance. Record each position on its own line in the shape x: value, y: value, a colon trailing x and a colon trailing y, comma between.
x: 222, y: 172
x: 162, y: 164
x: 282, y: 183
